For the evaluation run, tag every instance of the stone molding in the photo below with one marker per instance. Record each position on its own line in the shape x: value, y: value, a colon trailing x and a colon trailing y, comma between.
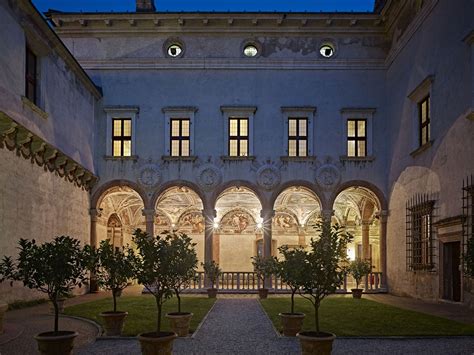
x: 16, y: 137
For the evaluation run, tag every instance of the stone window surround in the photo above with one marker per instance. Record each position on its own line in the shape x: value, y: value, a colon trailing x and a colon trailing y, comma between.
x: 239, y: 111
x: 120, y: 112
x: 422, y: 90
x: 308, y: 112
x: 358, y: 113
x: 179, y: 112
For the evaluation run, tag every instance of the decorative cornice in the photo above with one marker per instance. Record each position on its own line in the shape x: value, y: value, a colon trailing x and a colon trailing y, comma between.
x: 135, y: 109
x: 17, y: 138
x: 422, y: 89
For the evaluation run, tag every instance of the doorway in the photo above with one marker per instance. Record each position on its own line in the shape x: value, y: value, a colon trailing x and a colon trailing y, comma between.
x: 451, y: 271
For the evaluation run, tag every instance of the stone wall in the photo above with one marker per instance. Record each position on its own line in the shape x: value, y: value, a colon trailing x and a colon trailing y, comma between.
x: 36, y: 204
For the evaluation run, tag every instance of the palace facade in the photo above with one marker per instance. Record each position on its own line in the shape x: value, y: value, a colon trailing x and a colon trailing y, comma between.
x: 243, y: 130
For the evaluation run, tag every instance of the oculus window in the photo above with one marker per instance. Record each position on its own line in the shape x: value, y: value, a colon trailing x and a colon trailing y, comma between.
x: 297, y: 137
x: 174, y: 50
x: 122, y: 137
x: 250, y: 50
x: 327, y: 50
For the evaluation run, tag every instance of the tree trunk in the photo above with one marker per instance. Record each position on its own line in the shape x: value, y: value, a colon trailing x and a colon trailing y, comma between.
x: 293, y: 300
x: 316, y: 316
x: 114, y: 295
x: 179, y: 300
x: 56, y: 314
x: 158, y: 321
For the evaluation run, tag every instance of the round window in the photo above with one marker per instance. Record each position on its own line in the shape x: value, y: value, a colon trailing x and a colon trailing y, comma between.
x: 326, y: 50
x: 174, y: 50
x: 250, y: 50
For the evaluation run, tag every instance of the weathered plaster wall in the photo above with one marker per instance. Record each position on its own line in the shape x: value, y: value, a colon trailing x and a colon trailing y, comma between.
x: 437, y: 49
x: 36, y: 204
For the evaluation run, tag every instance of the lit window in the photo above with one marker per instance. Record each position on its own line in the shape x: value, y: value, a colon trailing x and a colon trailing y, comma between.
x: 238, y: 137
x: 356, y: 138
x: 30, y: 76
x: 174, y: 50
x: 424, y: 120
x: 326, y: 50
x: 297, y: 137
x: 179, y: 137
x: 122, y: 137
x: 250, y: 50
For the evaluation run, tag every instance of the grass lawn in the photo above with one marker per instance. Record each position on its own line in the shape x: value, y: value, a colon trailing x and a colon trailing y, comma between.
x: 346, y: 316
x: 142, y: 311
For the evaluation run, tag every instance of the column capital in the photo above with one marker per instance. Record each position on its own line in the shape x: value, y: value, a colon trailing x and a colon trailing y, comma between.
x: 327, y: 214
x: 267, y: 213
x: 149, y: 213
x: 383, y: 215
x: 95, y: 213
x: 366, y: 223
x: 209, y: 213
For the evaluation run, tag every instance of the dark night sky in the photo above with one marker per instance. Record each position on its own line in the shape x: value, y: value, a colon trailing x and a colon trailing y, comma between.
x: 210, y: 5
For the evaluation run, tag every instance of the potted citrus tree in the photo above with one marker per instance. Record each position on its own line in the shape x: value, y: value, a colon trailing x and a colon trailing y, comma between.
x: 291, y: 269
x: 3, y: 306
x: 212, y: 272
x: 185, y: 264
x: 113, y: 268
x: 359, y: 268
x: 263, y: 268
x: 55, y: 268
x: 324, y: 273
x: 155, y: 271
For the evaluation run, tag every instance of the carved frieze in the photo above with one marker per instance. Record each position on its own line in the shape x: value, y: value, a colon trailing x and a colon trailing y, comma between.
x: 17, y: 138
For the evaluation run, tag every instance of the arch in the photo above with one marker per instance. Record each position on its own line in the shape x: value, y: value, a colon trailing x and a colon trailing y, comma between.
x: 382, y: 201
x: 101, y: 191
x: 177, y: 183
x: 300, y: 183
x: 238, y: 183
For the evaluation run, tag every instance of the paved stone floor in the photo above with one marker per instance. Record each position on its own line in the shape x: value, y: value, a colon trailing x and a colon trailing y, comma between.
x: 235, y: 325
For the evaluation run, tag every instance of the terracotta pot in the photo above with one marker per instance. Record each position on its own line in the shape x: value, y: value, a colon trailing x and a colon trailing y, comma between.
x: 212, y: 292
x: 291, y: 323
x: 262, y: 293
x: 357, y: 292
x: 316, y: 343
x: 60, y: 343
x: 153, y: 344
x: 113, y: 322
x: 60, y: 305
x: 179, y: 322
x: 3, y: 309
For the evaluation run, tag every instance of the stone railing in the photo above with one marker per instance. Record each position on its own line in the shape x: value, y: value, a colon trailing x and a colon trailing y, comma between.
x: 248, y: 282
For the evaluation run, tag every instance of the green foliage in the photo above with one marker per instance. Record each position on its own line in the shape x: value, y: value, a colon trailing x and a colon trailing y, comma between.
x: 212, y: 271
x: 54, y: 268
x: 469, y: 257
x: 264, y: 267
x: 157, y: 264
x: 358, y: 268
x: 113, y: 268
x: 292, y: 268
x: 323, y: 269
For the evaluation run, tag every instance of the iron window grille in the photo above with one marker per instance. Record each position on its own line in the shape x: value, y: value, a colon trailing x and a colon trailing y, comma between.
x: 468, y: 223
x: 420, y: 246
x: 122, y: 137
x: 238, y: 137
x: 424, y: 120
x: 179, y: 137
x: 297, y: 137
x: 356, y: 137
x: 31, y: 72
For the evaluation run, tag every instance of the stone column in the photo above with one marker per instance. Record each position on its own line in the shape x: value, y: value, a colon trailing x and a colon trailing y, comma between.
x: 383, y: 247
x: 95, y: 214
x: 327, y: 214
x: 209, y: 214
x: 365, y: 240
x: 301, y: 237
x: 149, y: 214
x: 267, y: 216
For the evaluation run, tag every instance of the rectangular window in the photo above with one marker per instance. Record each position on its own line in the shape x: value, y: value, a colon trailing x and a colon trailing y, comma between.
x: 356, y: 137
x: 238, y: 137
x: 297, y: 137
x: 30, y: 76
x: 122, y: 137
x: 179, y: 137
x: 420, y: 244
x: 424, y: 120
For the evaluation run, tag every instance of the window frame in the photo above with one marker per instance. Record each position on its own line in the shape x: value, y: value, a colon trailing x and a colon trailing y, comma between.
x: 426, y: 124
x: 247, y: 112
x: 180, y: 138
x: 121, y: 138
x: 297, y: 138
x: 308, y: 112
x: 120, y: 112
x: 31, y: 78
x: 239, y: 137
x: 356, y: 137
x: 179, y: 112
x: 366, y: 114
